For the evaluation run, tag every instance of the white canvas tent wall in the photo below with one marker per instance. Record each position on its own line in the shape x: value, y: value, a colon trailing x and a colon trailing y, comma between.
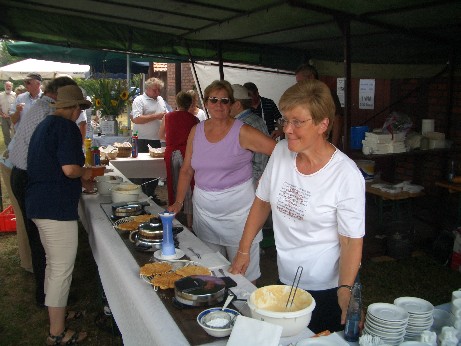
x: 271, y: 83
x: 47, y: 69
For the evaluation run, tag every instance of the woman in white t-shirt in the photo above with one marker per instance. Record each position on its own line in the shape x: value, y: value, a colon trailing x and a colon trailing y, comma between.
x: 317, y: 197
x: 194, y: 109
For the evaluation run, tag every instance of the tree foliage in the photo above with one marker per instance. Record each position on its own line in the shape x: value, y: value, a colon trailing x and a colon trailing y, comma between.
x: 5, y: 57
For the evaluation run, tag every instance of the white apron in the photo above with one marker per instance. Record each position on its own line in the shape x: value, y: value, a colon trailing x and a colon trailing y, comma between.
x: 220, y: 216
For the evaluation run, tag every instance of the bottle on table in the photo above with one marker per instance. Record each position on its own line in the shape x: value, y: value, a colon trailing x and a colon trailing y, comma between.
x: 134, y: 145
x: 88, y: 154
x: 96, y: 156
x: 354, y: 314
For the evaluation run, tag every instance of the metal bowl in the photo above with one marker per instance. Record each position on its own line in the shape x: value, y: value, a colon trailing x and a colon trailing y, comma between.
x: 200, y: 290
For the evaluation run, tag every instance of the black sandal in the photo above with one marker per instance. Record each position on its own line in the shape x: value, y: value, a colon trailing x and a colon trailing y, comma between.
x: 75, y: 338
x: 74, y: 315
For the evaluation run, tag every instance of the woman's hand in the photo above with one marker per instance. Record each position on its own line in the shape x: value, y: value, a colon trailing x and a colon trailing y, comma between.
x: 240, y: 263
x: 175, y: 207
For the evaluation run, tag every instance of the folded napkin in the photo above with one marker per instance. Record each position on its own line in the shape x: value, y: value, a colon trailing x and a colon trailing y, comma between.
x: 214, y: 260
x: 248, y: 331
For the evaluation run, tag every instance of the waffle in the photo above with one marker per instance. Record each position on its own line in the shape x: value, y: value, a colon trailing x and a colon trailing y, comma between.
x: 165, y: 280
x: 193, y: 270
x: 155, y: 268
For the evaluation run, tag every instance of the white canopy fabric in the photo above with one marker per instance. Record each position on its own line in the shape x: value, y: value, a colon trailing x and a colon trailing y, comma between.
x: 47, y: 69
x: 271, y: 83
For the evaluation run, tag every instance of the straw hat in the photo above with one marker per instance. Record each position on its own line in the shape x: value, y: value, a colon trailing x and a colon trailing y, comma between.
x: 71, y: 95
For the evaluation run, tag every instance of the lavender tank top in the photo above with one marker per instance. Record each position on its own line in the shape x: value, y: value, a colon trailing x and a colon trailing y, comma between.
x: 222, y: 165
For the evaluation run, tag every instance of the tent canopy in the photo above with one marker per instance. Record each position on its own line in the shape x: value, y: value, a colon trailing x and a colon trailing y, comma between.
x: 271, y: 33
x: 47, y: 69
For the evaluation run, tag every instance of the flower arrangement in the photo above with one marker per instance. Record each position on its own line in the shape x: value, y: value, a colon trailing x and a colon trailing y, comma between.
x: 110, y: 95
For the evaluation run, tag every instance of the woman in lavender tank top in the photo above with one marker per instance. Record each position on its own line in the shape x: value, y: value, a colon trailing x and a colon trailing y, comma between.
x: 218, y: 155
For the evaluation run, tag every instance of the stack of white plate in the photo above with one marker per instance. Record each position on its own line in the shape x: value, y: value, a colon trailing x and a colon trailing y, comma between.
x: 420, y: 312
x: 386, y: 321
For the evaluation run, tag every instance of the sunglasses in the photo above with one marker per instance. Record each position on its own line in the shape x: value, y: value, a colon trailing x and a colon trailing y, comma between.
x: 224, y: 100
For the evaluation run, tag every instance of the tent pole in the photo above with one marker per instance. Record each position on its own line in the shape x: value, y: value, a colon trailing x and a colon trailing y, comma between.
x: 128, y: 84
x: 220, y: 61
x: 346, y: 30
x: 191, y: 58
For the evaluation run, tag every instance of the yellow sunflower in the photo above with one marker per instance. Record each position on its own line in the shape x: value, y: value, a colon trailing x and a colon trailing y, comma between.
x: 124, y: 95
x: 114, y: 103
x: 98, y: 102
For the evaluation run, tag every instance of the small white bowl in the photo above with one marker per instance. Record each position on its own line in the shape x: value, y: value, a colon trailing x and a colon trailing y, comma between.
x: 107, y: 182
x: 216, y: 331
x: 125, y: 192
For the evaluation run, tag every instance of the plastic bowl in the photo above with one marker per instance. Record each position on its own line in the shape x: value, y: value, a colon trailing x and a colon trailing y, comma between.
x: 107, y: 182
x: 125, y: 192
x: 442, y: 318
x: 216, y: 331
x: 97, y: 171
x: 268, y: 304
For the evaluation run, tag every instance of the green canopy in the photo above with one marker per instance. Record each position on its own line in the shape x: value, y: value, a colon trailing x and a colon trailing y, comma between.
x: 272, y: 33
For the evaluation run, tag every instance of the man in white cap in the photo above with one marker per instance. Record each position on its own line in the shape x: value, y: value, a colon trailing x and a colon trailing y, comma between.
x: 7, y: 99
x: 33, y: 83
x: 241, y: 109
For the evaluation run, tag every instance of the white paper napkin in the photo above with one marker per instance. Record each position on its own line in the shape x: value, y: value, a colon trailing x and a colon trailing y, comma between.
x: 249, y: 332
x: 213, y: 260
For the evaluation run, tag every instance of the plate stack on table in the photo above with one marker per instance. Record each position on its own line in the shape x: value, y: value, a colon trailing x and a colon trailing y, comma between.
x: 387, y: 321
x: 420, y: 315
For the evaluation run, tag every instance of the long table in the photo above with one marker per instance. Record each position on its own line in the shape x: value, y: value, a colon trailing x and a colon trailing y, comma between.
x: 143, y: 166
x: 140, y: 312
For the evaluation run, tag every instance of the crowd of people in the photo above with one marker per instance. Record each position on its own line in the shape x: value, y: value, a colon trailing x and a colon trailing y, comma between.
x: 230, y: 166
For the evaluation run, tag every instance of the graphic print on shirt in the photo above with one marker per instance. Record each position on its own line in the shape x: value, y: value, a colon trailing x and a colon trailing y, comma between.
x: 292, y: 200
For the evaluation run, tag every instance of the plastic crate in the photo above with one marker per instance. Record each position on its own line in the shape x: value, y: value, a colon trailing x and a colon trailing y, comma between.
x: 8, y: 220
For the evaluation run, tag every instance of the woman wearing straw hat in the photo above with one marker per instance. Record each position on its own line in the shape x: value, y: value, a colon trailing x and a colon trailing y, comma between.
x: 56, y: 173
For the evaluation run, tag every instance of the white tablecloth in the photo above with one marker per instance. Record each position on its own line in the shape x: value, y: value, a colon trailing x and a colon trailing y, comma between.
x: 142, y: 166
x: 139, y: 312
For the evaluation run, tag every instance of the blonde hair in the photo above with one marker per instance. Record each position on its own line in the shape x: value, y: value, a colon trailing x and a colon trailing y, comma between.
x: 313, y: 95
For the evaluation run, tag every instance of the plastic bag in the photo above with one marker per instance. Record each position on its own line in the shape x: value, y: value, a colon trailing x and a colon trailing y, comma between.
x: 397, y: 122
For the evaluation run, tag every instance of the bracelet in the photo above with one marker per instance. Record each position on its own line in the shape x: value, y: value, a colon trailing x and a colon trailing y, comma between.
x: 243, y: 253
x: 345, y: 286
x: 180, y: 203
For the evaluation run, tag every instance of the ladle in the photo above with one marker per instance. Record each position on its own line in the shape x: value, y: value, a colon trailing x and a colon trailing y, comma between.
x: 227, y: 302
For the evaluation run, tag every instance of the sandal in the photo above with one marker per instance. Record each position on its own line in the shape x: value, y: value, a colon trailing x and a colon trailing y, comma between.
x: 74, y: 315
x: 73, y: 338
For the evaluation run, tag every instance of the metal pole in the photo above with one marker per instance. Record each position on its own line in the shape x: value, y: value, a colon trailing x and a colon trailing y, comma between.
x: 128, y: 84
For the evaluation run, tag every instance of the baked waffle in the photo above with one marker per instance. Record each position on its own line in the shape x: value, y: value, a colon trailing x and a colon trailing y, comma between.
x: 131, y: 223
x: 128, y: 226
x: 193, y: 270
x: 143, y: 218
x: 155, y: 268
x: 166, y: 280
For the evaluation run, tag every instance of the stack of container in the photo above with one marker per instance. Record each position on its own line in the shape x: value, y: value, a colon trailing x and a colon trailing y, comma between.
x: 383, y: 143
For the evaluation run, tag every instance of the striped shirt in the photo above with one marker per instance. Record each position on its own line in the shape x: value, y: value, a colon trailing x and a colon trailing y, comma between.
x: 268, y: 110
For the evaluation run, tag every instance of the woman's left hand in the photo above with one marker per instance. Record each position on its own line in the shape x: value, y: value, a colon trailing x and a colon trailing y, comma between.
x: 240, y: 264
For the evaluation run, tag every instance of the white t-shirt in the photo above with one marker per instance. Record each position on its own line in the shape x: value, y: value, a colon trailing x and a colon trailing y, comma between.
x: 201, y: 115
x: 144, y: 104
x: 309, y: 212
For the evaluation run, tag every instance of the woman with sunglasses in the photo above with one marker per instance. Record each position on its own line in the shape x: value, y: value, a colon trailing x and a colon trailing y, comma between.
x: 218, y: 155
x: 317, y: 197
